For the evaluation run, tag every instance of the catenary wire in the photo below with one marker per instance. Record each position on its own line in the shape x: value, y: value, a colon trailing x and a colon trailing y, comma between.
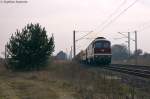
x: 115, y: 18
x: 103, y: 23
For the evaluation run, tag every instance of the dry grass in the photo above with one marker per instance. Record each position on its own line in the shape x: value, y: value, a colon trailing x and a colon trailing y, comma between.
x: 31, y: 85
x: 62, y: 80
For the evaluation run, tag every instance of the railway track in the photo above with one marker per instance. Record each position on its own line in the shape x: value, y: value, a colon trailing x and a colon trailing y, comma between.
x: 141, y: 71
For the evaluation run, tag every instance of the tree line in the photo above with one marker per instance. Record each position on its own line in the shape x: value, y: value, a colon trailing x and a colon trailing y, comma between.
x: 121, y: 52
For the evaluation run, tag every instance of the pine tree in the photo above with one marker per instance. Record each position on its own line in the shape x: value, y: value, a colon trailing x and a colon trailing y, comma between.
x: 30, y: 48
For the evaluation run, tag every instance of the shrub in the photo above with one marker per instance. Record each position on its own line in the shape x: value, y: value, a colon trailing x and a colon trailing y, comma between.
x: 30, y: 48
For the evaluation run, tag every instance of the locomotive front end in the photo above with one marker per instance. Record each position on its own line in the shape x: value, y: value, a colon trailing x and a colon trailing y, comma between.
x: 102, y: 51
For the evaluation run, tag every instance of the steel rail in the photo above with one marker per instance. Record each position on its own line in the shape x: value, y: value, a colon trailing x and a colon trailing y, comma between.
x: 134, y: 70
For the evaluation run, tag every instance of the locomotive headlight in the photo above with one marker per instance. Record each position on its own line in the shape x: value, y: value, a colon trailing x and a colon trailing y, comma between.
x: 109, y: 56
x: 96, y: 56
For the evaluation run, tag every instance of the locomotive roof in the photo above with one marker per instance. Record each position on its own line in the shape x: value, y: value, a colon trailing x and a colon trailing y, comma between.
x: 100, y: 38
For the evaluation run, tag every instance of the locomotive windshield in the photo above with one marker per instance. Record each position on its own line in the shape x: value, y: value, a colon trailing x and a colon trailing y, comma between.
x: 102, y: 44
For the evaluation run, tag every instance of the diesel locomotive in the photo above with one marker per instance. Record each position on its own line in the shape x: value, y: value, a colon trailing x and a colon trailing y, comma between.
x: 98, y: 51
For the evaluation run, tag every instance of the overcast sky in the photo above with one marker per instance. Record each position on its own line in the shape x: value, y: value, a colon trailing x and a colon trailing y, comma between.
x: 61, y: 17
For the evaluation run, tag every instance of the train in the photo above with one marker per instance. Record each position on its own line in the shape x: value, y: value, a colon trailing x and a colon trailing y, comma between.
x: 98, y: 52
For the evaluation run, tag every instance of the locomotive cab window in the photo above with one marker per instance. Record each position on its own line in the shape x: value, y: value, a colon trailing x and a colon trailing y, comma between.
x: 98, y: 45
x: 102, y: 44
x: 106, y: 45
